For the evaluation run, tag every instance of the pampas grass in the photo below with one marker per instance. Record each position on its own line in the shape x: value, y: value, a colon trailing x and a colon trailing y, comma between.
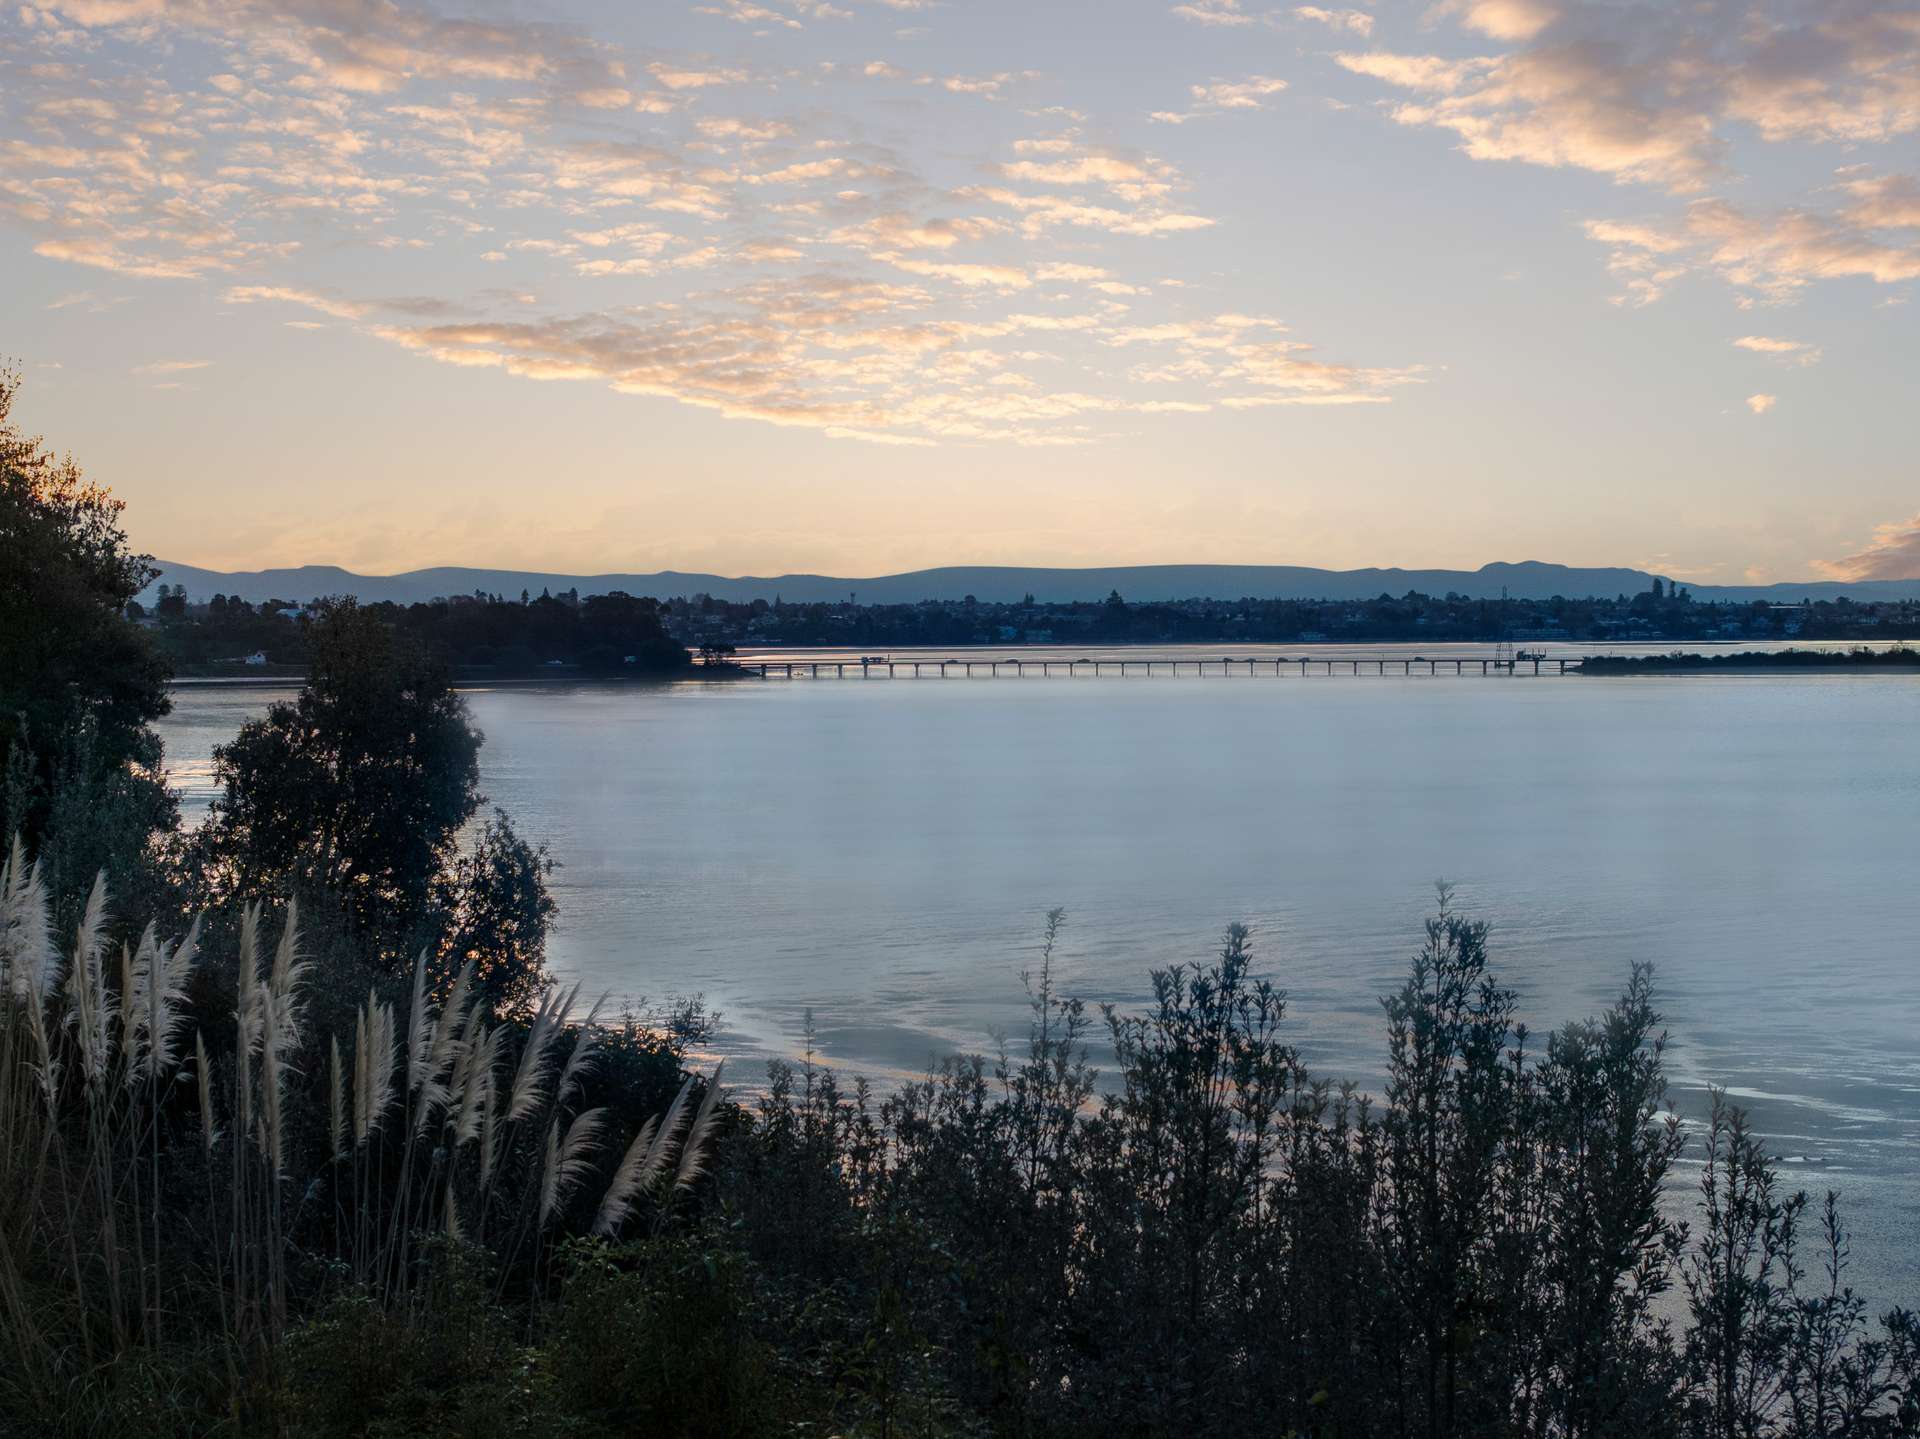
x: 87, y: 999
x: 651, y: 1155
x: 567, y: 1160
x: 529, y: 1078
x: 486, y: 1147
x: 693, y: 1152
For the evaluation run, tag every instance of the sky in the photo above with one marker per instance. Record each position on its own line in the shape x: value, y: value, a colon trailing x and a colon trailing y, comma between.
x: 862, y: 286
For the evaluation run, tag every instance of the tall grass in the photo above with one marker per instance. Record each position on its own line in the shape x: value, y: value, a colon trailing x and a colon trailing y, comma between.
x: 161, y: 1193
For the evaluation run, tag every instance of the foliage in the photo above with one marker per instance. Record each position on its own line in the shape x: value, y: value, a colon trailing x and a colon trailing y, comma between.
x: 378, y: 1192
x: 1231, y: 621
x: 217, y: 1214
x: 656, y: 1336
x: 491, y: 906
x: 79, y: 683
x: 359, y: 788
x: 1222, y: 1243
x: 601, y: 635
x: 451, y: 1366
x: 1860, y: 657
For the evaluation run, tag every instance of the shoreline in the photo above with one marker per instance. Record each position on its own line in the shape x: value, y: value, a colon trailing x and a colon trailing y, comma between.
x: 1711, y: 669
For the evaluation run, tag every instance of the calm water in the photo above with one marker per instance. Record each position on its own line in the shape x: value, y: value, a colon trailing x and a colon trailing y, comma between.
x: 884, y: 853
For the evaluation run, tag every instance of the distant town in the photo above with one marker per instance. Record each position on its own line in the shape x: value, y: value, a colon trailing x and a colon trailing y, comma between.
x: 618, y: 632
x: 1659, y: 613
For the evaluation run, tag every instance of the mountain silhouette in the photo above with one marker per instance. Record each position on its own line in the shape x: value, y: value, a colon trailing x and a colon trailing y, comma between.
x: 1530, y: 579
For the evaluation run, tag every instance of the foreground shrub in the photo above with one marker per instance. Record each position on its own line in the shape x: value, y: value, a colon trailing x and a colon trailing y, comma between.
x: 450, y: 1364
x: 1213, y: 1241
x: 431, y: 1219
x: 655, y: 1336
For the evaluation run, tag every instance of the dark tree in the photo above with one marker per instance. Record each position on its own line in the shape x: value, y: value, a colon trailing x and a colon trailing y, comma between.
x: 359, y: 788
x: 79, y: 683
x: 493, y: 911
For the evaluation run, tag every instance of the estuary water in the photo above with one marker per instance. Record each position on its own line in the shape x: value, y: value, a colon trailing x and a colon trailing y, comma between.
x: 881, y: 855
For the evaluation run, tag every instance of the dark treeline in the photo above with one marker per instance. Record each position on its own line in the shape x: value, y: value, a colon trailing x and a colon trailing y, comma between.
x: 298, y: 1137
x: 609, y: 634
x: 1656, y: 614
x: 597, y: 633
x: 1897, y: 658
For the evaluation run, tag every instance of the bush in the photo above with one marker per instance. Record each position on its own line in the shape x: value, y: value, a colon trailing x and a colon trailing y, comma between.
x: 655, y: 1337
x: 429, y: 1222
x: 447, y: 1366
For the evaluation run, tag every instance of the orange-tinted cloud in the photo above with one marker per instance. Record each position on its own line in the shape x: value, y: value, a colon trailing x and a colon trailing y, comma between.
x: 1894, y: 554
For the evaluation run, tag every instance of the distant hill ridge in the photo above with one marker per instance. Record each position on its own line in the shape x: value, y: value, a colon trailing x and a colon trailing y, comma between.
x: 1531, y: 579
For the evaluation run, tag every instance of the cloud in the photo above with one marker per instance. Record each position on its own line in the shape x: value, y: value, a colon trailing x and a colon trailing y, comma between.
x: 1796, y: 351
x: 1848, y: 74
x: 370, y: 46
x: 1214, y: 12
x: 1081, y: 170
x: 1893, y: 554
x: 1760, y: 404
x: 999, y: 277
x: 1358, y: 22
x: 1041, y: 213
x: 286, y: 294
x: 1883, y: 202
x: 604, y: 97
x: 95, y: 304
x: 1416, y: 72
x: 682, y: 78
x: 1137, y: 198
x: 752, y: 252
x: 170, y: 367
x: 1239, y: 94
x: 991, y: 86
x: 1771, y: 258
x: 720, y: 127
x: 1507, y: 19
x: 1658, y: 95
x: 875, y: 361
x: 1255, y: 358
x: 1573, y: 105
x: 104, y: 254
x: 1059, y: 270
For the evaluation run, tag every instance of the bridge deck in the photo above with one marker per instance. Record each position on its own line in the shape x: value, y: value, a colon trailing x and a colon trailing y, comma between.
x: 1225, y: 667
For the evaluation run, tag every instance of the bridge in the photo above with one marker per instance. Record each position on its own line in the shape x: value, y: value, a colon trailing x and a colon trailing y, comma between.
x: 1226, y: 667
